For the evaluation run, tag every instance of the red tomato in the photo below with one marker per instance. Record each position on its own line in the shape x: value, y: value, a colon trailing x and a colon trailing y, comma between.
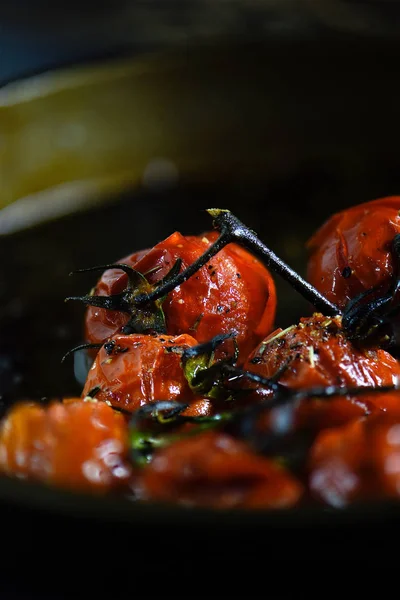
x: 214, y: 469
x: 350, y: 253
x: 316, y: 353
x: 199, y: 408
x: 80, y: 445
x: 233, y: 292
x: 132, y: 370
x: 359, y: 461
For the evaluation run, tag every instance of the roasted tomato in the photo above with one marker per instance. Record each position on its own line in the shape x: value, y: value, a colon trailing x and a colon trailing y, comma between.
x: 233, y: 292
x: 132, y: 370
x: 350, y: 253
x: 316, y: 353
x: 214, y: 469
x: 79, y: 445
x: 358, y: 461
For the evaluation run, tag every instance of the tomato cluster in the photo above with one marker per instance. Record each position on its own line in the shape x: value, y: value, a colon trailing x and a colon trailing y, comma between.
x: 194, y: 396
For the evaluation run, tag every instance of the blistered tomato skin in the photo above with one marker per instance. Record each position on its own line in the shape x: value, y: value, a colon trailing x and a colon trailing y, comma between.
x: 101, y: 324
x: 350, y: 253
x: 233, y: 292
x: 316, y: 353
x: 78, y: 445
x: 356, y: 462
x: 214, y: 470
x: 138, y: 369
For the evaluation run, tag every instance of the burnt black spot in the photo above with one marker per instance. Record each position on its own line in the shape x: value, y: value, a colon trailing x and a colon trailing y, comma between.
x: 256, y: 360
x: 92, y: 393
x: 109, y: 347
x: 346, y: 273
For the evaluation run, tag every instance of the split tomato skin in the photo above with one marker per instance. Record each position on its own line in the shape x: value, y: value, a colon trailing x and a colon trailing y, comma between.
x: 234, y: 292
x: 213, y: 469
x: 77, y: 445
x: 316, y: 353
x: 350, y: 252
x: 357, y: 462
x: 139, y: 369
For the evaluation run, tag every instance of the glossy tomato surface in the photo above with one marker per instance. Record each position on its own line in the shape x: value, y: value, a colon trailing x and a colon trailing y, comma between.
x: 77, y: 445
x: 132, y: 370
x: 234, y: 292
x: 214, y: 469
x: 357, y: 462
x: 350, y: 252
x: 316, y: 353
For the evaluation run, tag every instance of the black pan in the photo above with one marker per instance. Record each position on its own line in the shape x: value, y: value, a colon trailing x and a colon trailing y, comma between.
x: 293, y: 133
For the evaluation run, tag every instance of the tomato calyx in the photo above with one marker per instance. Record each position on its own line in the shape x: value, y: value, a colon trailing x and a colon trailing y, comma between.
x: 144, y: 317
x: 156, y: 425
x: 203, y: 373
x: 80, y: 347
x: 217, y: 379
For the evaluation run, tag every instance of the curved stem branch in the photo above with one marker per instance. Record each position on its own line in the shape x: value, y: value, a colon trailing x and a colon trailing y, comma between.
x: 233, y: 230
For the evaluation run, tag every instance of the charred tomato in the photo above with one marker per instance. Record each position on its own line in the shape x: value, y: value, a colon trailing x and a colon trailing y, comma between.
x: 316, y: 353
x: 233, y: 292
x: 132, y: 370
x: 350, y: 253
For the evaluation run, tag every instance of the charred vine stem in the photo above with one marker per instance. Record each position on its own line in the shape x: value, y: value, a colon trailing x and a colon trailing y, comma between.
x: 233, y: 230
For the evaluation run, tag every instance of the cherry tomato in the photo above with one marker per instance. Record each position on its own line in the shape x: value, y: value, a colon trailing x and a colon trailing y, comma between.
x: 233, y: 292
x: 358, y: 461
x: 214, y: 469
x: 350, y: 253
x: 132, y: 370
x: 202, y: 407
x: 81, y: 445
x: 316, y: 353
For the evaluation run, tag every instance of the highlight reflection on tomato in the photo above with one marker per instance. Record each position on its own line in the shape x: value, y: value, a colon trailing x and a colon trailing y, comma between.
x: 79, y: 445
x: 358, y: 461
x: 316, y: 352
x: 174, y: 412
x: 213, y: 469
x: 131, y: 370
x: 234, y: 292
x: 350, y: 252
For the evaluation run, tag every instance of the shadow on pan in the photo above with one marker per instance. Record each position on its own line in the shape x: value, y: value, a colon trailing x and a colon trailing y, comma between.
x: 309, y: 131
